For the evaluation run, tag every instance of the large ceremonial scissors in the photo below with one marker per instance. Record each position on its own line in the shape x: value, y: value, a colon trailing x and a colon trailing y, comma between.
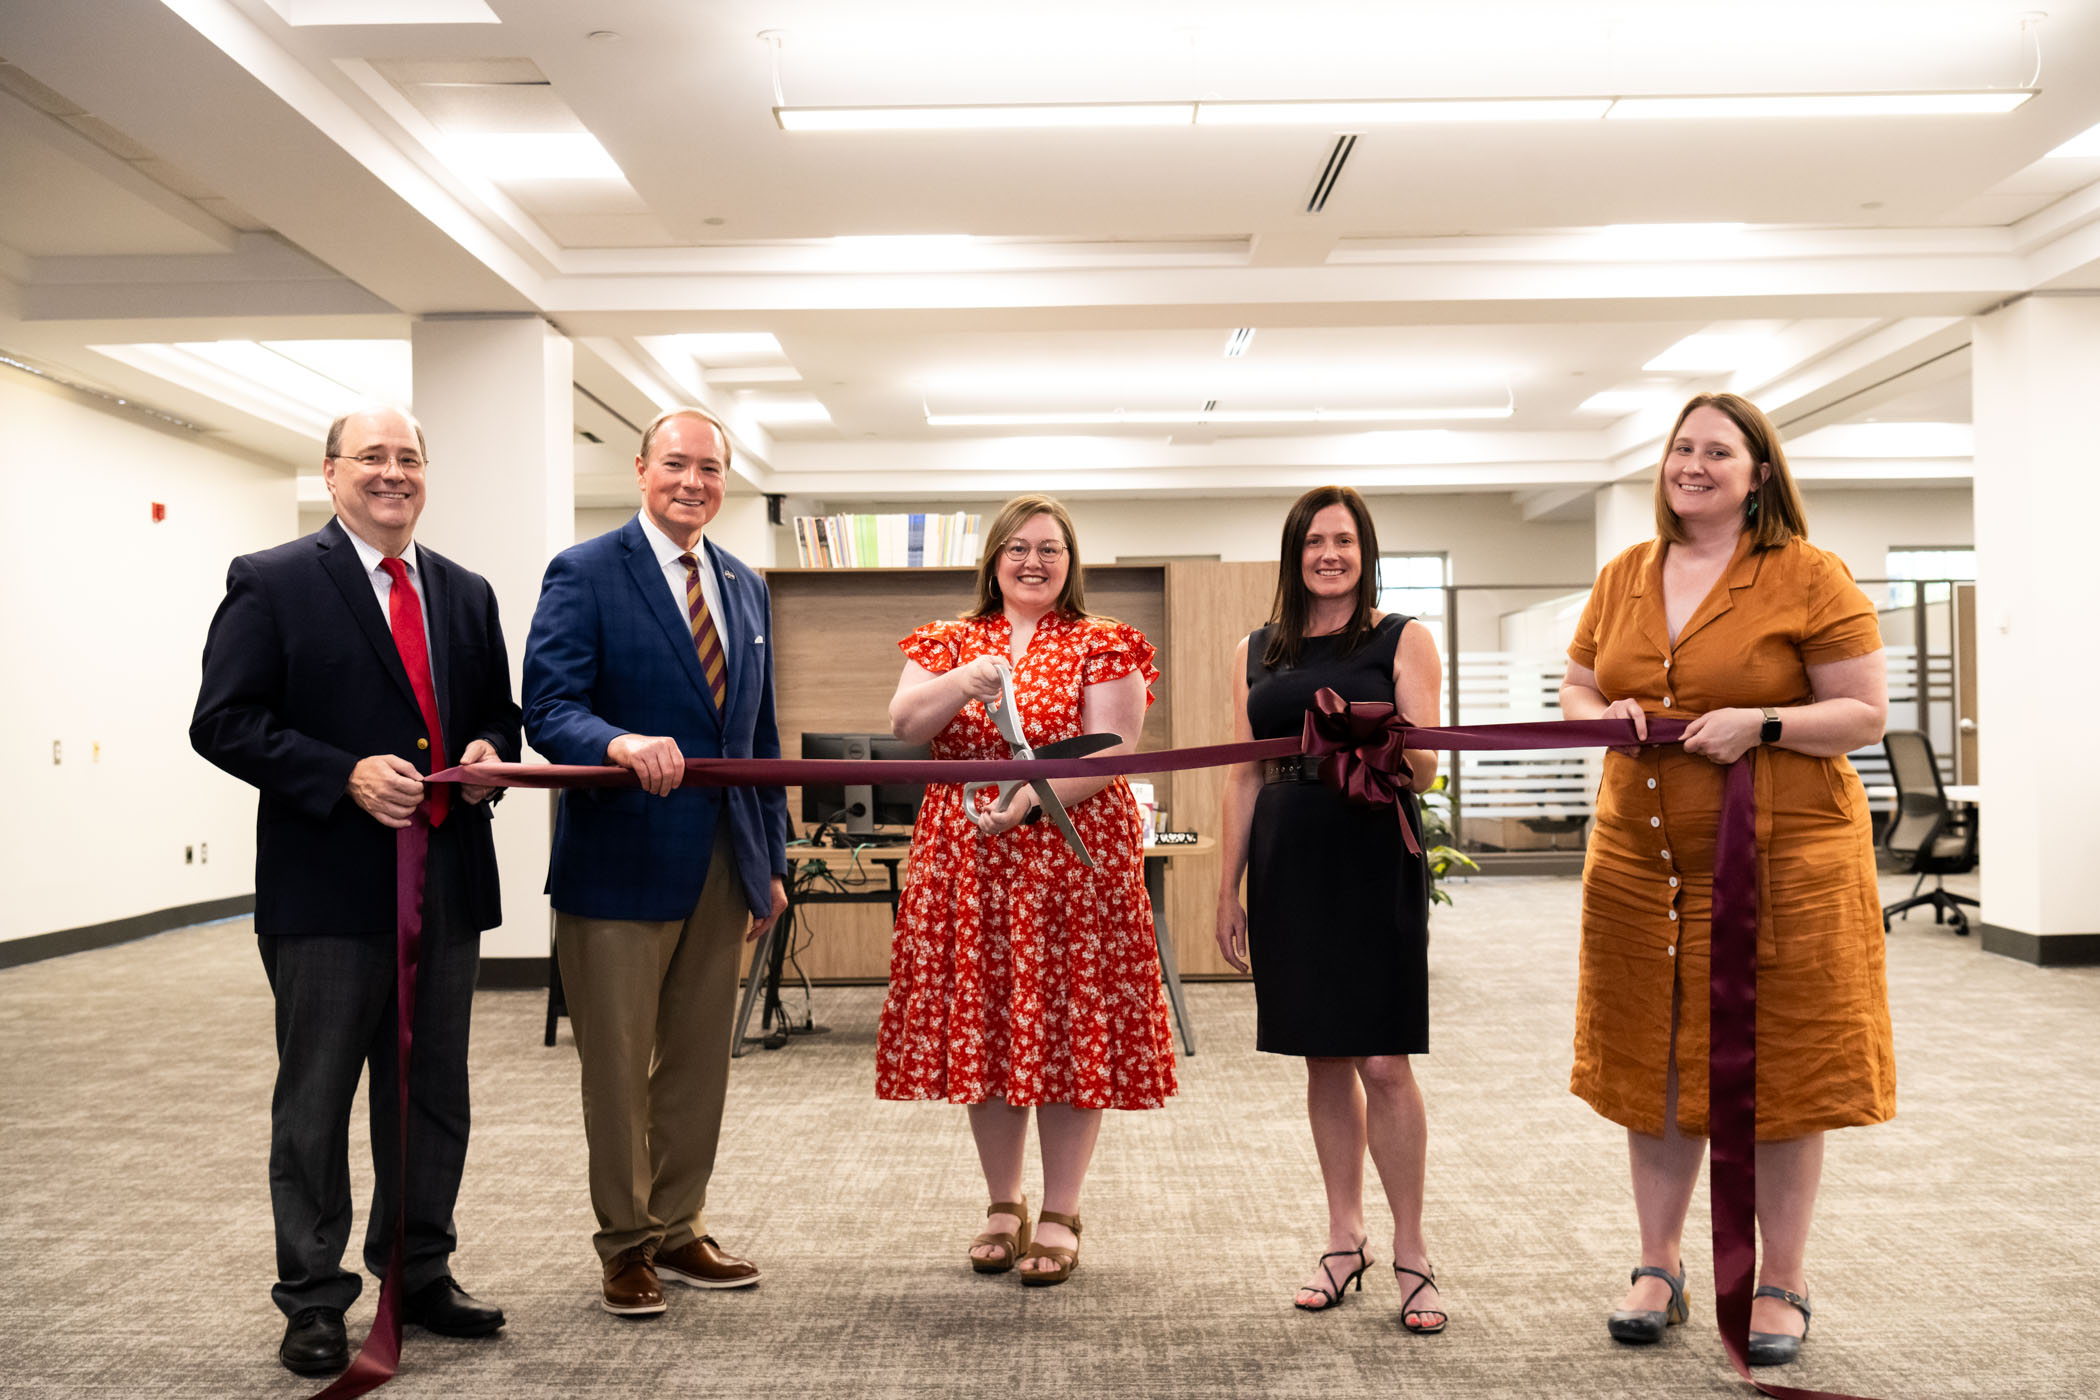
x: 1007, y: 720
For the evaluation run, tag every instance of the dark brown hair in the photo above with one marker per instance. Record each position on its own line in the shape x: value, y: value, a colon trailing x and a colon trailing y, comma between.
x: 1071, y: 599
x: 1292, y: 608
x: 1780, y: 516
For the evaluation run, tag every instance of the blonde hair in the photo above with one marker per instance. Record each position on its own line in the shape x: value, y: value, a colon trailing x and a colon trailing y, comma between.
x: 686, y: 411
x: 1071, y: 599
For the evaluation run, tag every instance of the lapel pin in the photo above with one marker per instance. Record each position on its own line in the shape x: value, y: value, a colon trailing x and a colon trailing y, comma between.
x: 759, y: 640
x: 727, y: 574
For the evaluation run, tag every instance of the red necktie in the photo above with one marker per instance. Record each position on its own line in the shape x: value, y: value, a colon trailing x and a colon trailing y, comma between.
x: 404, y: 613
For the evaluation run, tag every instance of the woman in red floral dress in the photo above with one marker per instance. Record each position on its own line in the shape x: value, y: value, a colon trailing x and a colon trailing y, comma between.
x: 1019, y: 978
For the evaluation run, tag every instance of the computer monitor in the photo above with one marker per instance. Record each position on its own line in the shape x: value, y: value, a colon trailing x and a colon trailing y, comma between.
x: 861, y: 807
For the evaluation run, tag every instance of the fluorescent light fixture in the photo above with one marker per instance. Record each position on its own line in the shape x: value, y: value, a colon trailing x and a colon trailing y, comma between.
x: 531, y: 155
x: 784, y: 408
x: 1401, y: 111
x: 380, y: 370
x: 2084, y: 146
x: 1709, y: 353
x: 262, y: 366
x: 247, y: 377
x: 1238, y: 343
x: 986, y: 118
x: 1150, y: 417
x: 1817, y: 104
x: 1398, y: 111
x: 1617, y: 403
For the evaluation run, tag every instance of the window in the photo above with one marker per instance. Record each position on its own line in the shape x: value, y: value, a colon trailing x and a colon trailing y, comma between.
x: 1413, y: 585
x: 1932, y: 563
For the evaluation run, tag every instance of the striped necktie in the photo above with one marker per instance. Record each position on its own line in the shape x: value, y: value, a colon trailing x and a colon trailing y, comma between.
x: 706, y: 640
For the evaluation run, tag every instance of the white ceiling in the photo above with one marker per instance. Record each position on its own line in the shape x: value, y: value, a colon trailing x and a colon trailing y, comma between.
x: 197, y: 170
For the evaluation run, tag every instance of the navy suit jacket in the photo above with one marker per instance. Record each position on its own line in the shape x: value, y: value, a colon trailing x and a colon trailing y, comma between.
x: 301, y: 680
x: 610, y: 654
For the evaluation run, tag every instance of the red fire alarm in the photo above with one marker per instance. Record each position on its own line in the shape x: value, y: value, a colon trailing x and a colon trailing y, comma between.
x: 160, y: 512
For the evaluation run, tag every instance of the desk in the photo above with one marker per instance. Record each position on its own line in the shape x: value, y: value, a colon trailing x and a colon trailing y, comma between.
x: 1969, y: 793
x: 770, y: 955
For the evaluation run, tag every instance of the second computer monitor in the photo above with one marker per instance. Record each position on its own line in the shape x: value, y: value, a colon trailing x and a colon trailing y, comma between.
x: 861, y: 807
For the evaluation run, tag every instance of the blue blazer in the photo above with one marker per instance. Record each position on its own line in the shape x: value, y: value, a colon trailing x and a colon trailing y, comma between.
x: 609, y: 655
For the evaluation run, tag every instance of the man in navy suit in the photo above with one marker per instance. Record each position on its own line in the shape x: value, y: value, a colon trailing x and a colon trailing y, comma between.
x: 650, y: 646
x: 339, y: 670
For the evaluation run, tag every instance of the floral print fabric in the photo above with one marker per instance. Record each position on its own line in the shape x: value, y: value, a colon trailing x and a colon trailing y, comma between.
x: 1016, y: 972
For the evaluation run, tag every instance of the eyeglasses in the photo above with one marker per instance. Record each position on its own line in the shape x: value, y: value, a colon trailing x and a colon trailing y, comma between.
x: 377, y: 461
x: 1019, y: 552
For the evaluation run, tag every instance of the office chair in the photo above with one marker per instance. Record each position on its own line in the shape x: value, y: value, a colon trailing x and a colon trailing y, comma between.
x: 1924, y: 834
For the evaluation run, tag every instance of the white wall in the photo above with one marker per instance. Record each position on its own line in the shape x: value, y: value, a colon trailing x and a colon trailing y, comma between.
x: 740, y: 528
x: 1862, y: 526
x: 104, y: 627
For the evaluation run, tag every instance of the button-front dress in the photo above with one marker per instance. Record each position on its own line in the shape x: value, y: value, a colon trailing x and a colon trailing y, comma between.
x: 1825, y: 1056
x: 1016, y: 972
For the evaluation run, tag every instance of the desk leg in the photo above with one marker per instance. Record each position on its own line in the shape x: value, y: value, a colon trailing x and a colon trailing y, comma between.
x: 1169, y: 968
x: 754, y: 981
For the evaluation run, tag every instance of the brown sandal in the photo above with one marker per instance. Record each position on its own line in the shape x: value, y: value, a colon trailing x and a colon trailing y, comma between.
x: 1067, y: 1258
x: 1010, y: 1247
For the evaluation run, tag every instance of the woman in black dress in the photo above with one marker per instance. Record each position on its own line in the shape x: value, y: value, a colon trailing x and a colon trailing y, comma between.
x: 1337, y: 919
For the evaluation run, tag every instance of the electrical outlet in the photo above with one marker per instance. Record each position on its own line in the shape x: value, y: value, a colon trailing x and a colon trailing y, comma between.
x: 58, y: 752
x: 204, y: 853
x: 189, y: 855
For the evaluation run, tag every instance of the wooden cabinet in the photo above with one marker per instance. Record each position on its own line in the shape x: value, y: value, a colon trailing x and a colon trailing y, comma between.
x: 835, y: 663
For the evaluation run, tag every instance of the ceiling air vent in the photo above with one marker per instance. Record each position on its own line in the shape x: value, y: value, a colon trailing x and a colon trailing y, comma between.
x: 1336, y: 159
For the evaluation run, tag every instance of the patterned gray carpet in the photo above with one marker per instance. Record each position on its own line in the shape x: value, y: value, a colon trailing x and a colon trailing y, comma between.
x: 1955, y: 1250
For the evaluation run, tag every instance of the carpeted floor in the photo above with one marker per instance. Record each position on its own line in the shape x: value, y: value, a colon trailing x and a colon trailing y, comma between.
x: 1956, y: 1253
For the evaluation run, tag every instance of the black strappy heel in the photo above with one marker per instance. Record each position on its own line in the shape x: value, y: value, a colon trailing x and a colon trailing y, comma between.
x: 1428, y: 1281
x: 1332, y: 1296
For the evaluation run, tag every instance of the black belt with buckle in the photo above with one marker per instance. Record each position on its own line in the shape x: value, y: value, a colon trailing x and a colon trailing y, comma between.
x: 1298, y: 768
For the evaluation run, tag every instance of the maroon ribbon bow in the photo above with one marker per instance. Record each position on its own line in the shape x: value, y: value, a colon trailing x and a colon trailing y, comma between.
x: 1360, y: 745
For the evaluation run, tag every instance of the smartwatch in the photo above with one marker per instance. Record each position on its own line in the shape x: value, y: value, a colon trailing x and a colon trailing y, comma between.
x: 1769, y: 734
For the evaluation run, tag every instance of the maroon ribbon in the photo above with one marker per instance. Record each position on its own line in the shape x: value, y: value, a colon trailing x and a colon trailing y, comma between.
x: 380, y: 1355
x: 1361, y: 747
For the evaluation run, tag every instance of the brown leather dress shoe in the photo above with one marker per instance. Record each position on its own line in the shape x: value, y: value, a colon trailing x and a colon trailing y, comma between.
x: 702, y: 1263
x: 631, y: 1288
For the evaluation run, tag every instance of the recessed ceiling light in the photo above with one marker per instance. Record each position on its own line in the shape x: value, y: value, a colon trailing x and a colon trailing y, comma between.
x: 1616, y: 403
x: 784, y: 408
x: 1710, y: 353
x: 531, y: 155
x: 2084, y: 146
x: 730, y: 347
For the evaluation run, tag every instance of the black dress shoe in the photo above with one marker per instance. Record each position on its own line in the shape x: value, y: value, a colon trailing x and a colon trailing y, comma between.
x: 314, y: 1344
x: 443, y: 1307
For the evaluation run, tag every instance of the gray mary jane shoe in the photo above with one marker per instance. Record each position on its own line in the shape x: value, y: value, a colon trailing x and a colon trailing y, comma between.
x: 1778, y: 1348
x: 1639, y: 1326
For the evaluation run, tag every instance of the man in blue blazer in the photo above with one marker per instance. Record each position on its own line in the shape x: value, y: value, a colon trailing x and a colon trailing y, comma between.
x: 650, y: 645
x: 340, y: 669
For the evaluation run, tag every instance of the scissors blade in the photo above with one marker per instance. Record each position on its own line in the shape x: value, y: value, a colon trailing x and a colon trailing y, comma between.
x: 1007, y: 718
x: 1055, y: 810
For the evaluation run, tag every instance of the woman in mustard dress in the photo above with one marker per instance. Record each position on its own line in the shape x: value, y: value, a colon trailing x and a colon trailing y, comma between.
x: 1731, y: 619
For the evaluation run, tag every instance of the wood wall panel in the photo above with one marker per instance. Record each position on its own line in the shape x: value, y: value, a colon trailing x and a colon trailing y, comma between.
x: 1210, y: 606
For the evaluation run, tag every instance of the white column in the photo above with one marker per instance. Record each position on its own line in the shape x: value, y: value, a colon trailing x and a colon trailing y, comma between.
x: 496, y: 401
x: 1625, y: 515
x: 2036, y: 365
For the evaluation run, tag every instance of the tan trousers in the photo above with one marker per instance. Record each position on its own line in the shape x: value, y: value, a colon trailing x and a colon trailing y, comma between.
x: 650, y: 1005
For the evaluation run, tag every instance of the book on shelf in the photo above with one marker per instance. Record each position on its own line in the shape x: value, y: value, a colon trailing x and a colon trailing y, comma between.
x: 890, y: 540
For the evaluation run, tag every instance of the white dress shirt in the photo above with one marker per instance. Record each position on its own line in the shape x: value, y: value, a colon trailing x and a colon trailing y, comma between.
x: 383, y: 585
x: 667, y: 552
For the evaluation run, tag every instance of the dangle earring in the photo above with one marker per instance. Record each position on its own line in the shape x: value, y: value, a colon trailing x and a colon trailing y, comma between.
x: 1750, y: 510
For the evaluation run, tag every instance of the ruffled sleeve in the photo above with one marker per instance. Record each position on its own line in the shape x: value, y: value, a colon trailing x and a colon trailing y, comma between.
x: 1113, y: 650
x: 933, y: 646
